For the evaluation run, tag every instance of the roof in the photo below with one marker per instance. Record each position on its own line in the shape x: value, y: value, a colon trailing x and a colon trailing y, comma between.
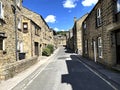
x: 32, y: 18
x: 31, y: 21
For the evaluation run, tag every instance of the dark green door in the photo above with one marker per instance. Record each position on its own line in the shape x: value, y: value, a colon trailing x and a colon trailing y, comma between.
x: 118, y: 46
x: 36, y: 49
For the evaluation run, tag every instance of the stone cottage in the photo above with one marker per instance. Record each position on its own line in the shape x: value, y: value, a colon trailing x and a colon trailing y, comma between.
x: 101, y: 37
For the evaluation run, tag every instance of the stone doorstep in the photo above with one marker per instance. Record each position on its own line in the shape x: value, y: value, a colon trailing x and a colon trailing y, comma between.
x: 117, y: 68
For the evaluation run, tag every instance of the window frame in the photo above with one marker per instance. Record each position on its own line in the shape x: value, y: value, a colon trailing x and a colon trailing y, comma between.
x: 19, y: 23
x: 18, y: 2
x: 2, y: 11
x: 37, y: 30
x: 98, y: 17
x: 2, y: 45
x: 84, y: 25
x: 118, y: 6
x: 25, y: 29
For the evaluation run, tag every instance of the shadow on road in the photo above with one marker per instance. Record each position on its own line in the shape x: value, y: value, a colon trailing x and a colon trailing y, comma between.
x: 76, y: 75
x: 80, y: 78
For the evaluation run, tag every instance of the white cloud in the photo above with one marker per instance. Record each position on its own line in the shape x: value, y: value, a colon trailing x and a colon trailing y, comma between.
x: 50, y: 19
x: 89, y: 2
x: 56, y: 29
x: 70, y: 3
x: 62, y: 30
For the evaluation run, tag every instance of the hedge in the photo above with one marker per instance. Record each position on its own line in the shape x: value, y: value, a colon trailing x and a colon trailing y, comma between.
x: 48, y: 50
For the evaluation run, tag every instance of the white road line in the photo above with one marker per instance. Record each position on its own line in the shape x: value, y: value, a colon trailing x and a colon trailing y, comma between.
x: 98, y: 75
x: 35, y: 76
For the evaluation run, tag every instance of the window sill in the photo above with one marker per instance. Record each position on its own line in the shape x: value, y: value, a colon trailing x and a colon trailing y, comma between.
x: 19, y: 7
x: 25, y: 31
x: 98, y: 26
x: 100, y: 57
x: 37, y: 35
x: 19, y: 29
x: 3, y: 51
x: 2, y: 20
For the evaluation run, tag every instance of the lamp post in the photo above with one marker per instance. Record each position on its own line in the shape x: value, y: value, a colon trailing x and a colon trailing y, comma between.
x: 15, y: 18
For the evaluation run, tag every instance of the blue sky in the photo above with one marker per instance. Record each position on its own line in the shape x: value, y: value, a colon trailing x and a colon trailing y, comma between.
x: 59, y: 14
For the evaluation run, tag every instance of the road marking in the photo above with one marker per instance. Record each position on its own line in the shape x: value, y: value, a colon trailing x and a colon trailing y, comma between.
x: 37, y: 73
x: 98, y: 75
x: 35, y: 76
x: 68, y: 58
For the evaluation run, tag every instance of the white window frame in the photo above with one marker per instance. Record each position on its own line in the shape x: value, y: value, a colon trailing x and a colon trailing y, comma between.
x: 18, y: 45
x: 19, y: 23
x: 21, y: 46
x: 18, y: 2
x: 2, y: 11
x: 84, y: 25
x: 100, y: 53
x: 118, y: 5
x: 3, y: 44
x: 99, y: 17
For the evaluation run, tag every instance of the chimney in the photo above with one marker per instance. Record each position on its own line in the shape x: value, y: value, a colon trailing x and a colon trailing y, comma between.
x: 75, y: 19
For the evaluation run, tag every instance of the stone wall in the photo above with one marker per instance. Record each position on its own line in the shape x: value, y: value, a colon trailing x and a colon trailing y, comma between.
x: 7, y: 26
x: 10, y: 70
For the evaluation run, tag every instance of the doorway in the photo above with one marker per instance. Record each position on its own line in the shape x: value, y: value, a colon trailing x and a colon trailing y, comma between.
x: 36, y: 48
x: 118, y: 46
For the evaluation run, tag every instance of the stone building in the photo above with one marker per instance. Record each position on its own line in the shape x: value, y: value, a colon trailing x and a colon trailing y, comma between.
x: 67, y: 40
x: 8, y: 30
x: 102, y: 33
x: 29, y: 43
x: 70, y: 40
x: 77, y: 34
x: 46, y: 35
x: 52, y: 37
x: 60, y: 40
x: 23, y: 35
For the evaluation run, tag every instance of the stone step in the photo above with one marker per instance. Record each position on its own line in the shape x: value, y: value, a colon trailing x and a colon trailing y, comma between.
x: 117, y: 67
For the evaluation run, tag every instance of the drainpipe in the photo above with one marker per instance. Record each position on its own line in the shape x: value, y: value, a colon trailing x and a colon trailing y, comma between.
x: 15, y: 18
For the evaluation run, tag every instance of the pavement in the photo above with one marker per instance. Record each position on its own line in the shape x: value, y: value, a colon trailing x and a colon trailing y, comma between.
x: 109, y: 74
x: 12, y: 82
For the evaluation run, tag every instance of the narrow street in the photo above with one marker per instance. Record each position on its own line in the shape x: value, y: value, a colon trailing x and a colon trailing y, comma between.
x: 64, y: 71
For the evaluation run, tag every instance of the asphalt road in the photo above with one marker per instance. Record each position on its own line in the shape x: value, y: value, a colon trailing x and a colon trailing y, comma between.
x: 66, y: 72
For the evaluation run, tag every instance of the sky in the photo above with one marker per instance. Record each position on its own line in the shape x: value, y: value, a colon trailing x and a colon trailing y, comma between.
x: 59, y: 14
